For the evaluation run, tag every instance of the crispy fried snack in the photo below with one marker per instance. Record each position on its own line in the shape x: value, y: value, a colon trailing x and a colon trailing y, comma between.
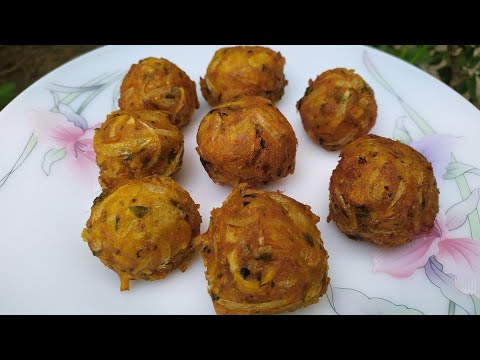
x: 144, y: 229
x: 247, y: 140
x: 382, y: 191
x: 263, y: 254
x: 337, y: 108
x: 244, y: 71
x: 135, y: 144
x: 158, y: 84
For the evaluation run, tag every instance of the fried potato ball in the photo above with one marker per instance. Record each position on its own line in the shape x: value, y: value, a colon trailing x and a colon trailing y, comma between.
x: 263, y: 254
x: 158, y: 84
x: 244, y: 71
x: 134, y: 144
x: 144, y: 229
x: 383, y: 191
x: 247, y: 140
x: 337, y: 108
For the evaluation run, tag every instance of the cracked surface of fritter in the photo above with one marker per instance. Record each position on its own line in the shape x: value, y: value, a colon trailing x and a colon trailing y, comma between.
x: 247, y: 140
x: 383, y: 191
x: 158, y: 84
x: 263, y: 253
x: 144, y: 229
x: 244, y: 71
x: 134, y: 144
x: 338, y: 107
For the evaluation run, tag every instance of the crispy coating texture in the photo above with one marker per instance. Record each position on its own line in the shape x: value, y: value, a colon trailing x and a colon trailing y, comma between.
x: 134, y: 144
x: 247, y: 140
x: 383, y: 191
x: 263, y: 254
x: 337, y: 108
x: 244, y: 71
x: 144, y: 229
x: 158, y: 84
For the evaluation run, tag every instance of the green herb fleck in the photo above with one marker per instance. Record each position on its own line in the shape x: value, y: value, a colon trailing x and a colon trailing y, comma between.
x: 128, y: 157
x: 265, y: 257
x: 139, y: 211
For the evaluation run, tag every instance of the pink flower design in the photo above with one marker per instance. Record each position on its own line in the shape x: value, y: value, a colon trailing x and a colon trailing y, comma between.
x: 460, y: 257
x: 69, y: 133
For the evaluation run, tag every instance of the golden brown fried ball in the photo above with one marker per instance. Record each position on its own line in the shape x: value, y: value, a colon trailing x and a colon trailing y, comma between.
x: 382, y: 191
x: 247, y: 140
x: 263, y: 254
x: 244, y: 71
x: 337, y: 108
x: 158, y: 84
x: 134, y: 144
x: 144, y: 229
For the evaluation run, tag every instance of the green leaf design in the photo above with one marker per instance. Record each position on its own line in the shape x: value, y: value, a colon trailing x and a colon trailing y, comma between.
x: 95, y: 93
x: 401, y: 134
x: 68, y: 99
x: 457, y: 214
x: 51, y: 157
x: 27, y: 150
x: 417, y: 119
x: 465, y: 192
x: 456, y: 169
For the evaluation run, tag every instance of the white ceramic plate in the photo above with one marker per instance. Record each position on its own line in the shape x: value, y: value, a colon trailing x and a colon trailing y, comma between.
x: 48, y: 182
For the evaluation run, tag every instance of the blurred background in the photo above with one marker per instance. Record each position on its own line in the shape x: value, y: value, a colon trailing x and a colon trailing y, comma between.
x: 456, y: 65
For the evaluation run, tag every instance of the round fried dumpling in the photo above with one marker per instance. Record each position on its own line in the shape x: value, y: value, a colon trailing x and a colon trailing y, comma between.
x: 247, y: 140
x: 383, y: 191
x: 337, y: 108
x: 144, y: 229
x: 263, y: 254
x: 134, y: 144
x: 158, y: 84
x: 244, y: 71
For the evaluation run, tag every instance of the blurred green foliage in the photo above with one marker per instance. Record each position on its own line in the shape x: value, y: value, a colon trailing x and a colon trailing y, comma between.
x: 456, y: 65
x: 7, y: 93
